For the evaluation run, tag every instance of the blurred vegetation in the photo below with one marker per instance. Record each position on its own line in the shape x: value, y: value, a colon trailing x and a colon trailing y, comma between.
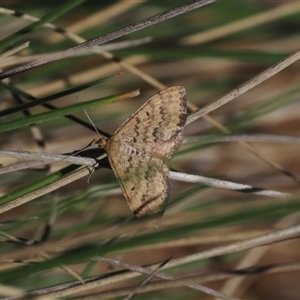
x: 83, y: 220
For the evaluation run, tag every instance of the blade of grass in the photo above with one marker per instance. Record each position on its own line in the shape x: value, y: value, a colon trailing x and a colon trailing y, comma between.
x: 170, y: 53
x: 40, y: 101
x: 38, y: 118
x: 36, y: 25
x: 35, y: 185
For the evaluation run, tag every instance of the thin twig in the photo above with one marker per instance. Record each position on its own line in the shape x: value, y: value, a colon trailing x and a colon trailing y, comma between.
x: 40, y: 158
x: 23, y: 165
x: 244, y: 188
x: 13, y: 60
x: 269, y: 238
x: 14, y: 50
x: 147, y: 280
x: 265, y: 138
x: 105, y: 281
x: 244, y: 87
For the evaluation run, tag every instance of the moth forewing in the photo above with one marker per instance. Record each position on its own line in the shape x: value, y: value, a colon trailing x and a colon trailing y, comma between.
x: 138, y: 148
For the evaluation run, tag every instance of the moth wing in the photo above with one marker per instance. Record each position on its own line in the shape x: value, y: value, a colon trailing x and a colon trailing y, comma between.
x: 144, y: 182
x: 156, y: 127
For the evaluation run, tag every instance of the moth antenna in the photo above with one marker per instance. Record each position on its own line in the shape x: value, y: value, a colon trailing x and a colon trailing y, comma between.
x: 87, y: 115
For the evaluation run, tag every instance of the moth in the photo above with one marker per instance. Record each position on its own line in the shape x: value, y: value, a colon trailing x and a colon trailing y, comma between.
x: 140, y: 147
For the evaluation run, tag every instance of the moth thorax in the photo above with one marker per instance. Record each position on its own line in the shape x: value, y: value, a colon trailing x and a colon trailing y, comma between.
x: 102, y: 142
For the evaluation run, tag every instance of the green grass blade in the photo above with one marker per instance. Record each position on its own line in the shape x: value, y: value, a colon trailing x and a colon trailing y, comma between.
x: 60, y: 11
x: 38, y: 118
x: 36, y: 185
x: 43, y: 100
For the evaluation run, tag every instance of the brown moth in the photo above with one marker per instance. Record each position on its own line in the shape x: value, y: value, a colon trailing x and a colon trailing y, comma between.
x: 140, y: 146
